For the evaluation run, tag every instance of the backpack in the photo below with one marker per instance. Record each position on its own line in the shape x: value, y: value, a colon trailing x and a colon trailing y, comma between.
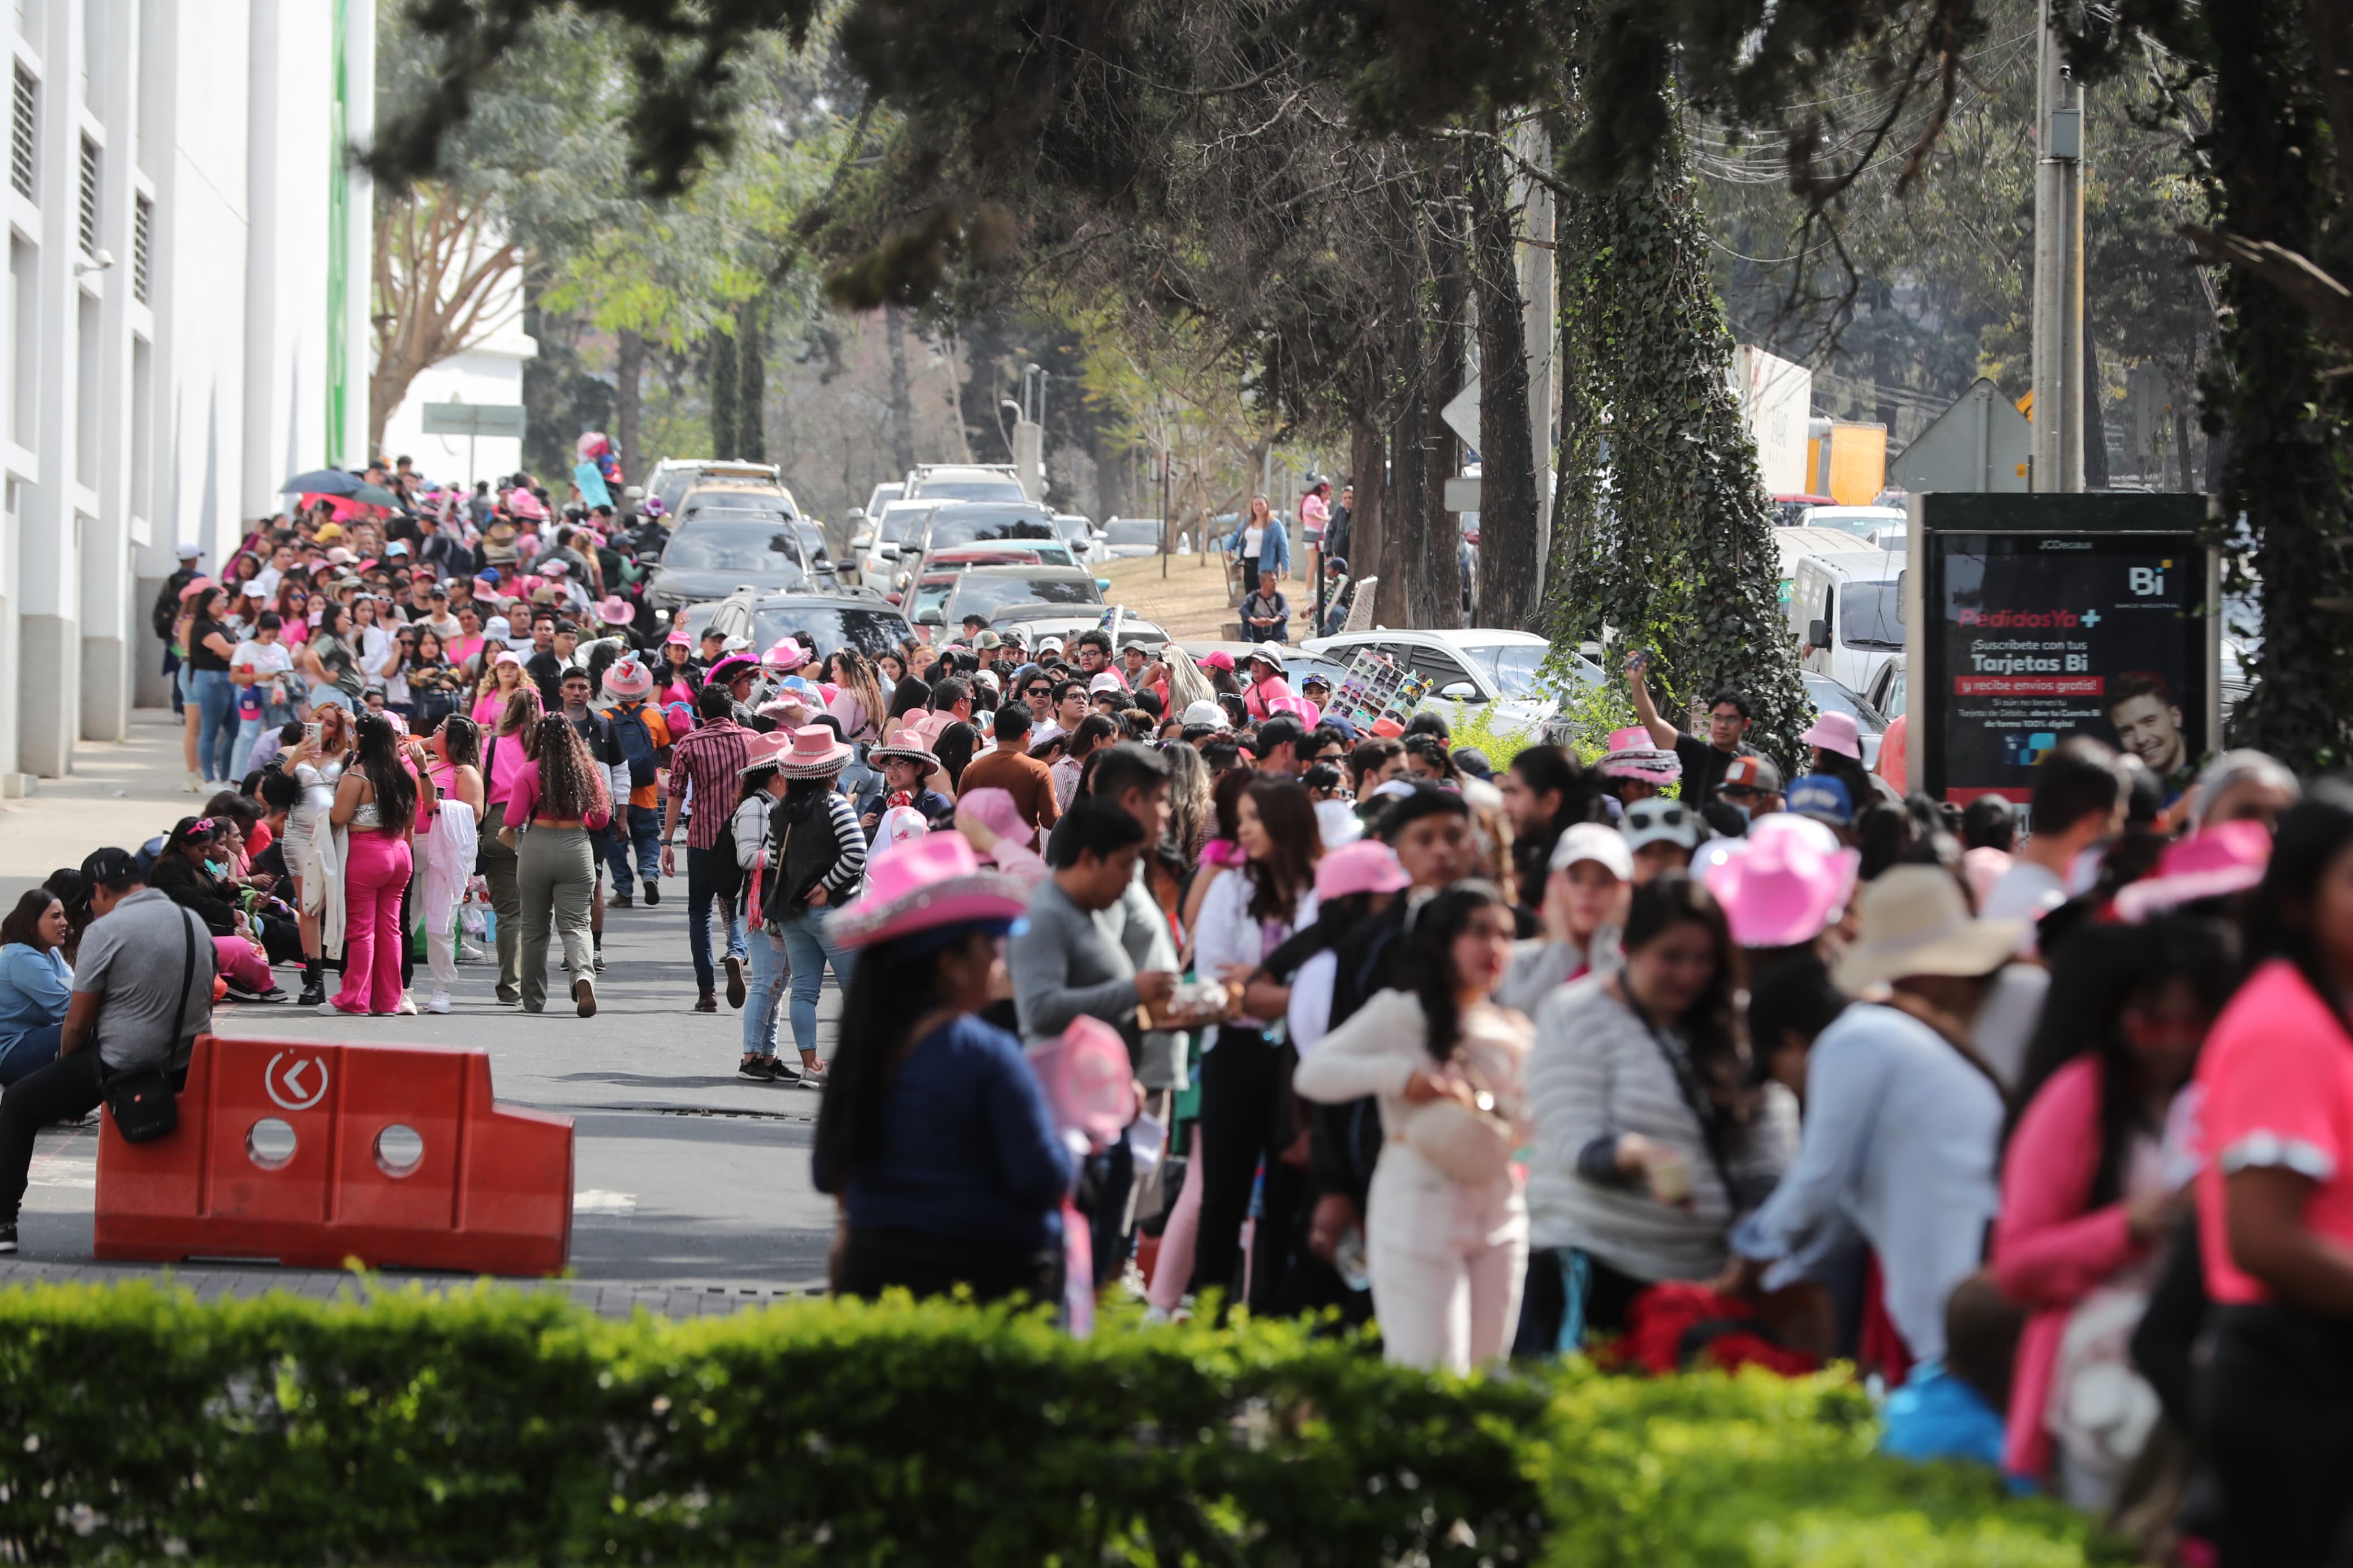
x: 726, y: 877
x: 637, y: 743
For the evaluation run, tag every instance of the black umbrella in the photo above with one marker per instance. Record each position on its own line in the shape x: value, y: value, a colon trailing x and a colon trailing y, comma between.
x: 322, y: 482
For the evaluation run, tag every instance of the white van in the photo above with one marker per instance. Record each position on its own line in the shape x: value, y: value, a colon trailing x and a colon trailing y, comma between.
x: 1847, y: 612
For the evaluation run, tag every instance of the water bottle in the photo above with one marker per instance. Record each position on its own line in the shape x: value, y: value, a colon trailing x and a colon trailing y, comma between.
x: 1348, y: 1258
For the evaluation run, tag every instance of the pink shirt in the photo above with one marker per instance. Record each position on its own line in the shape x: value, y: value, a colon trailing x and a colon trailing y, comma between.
x: 522, y: 800
x: 2277, y: 1076
x: 507, y: 761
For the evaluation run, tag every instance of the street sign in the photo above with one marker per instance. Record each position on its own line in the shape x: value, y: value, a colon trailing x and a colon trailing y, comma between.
x: 481, y: 419
x: 1463, y: 493
x: 2030, y: 619
x: 1980, y: 445
x: 1462, y: 415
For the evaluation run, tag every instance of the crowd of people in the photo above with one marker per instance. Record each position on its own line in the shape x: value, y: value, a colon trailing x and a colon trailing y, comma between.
x: 1157, y: 973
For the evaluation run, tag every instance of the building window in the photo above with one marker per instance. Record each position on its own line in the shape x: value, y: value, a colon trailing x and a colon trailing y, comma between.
x: 20, y: 144
x: 89, y: 197
x: 143, y: 245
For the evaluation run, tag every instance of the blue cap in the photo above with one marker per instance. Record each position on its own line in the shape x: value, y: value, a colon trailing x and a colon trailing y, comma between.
x: 1823, y: 798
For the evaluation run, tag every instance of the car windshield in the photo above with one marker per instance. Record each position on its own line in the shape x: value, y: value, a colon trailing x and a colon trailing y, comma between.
x: 976, y: 594
x: 739, y: 503
x: 1862, y: 524
x: 1830, y: 697
x: 1513, y: 667
x: 1871, y: 615
x: 728, y: 546
x: 820, y: 625
x: 950, y: 529
x: 898, y: 520
x: 974, y: 488
x: 1132, y: 532
x: 1074, y: 529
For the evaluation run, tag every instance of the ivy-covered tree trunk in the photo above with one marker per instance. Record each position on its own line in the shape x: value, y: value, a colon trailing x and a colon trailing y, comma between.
x: 1508, y: 567
x: 723, y: 396
x: 752, y: 381
x: 2287, y: 412
x: 1666, y: 533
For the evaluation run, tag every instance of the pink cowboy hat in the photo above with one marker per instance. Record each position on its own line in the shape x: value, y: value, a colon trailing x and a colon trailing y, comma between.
x: 786, y: 655
x: 522, y: 503
x: 734, y: 665
x: 815, y: 752
x: 911, y: 746
x: 1835, y: 733
x: 615, y: 611
x: 2226, y: 858
x: 1784, y: 883
x: 994, y: 809
x: 767, y: 750
x: 933, y: 883
x: 627, y: 677
x: 1632, y: 755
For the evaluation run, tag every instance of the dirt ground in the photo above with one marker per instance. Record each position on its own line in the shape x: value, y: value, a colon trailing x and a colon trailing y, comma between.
x: 1193, y: 602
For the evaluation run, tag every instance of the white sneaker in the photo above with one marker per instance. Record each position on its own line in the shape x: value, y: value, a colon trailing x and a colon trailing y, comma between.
x: 195, y: 784
x: 438, y: 1003
x: 408, y: 1005
x: 1154, y: 1315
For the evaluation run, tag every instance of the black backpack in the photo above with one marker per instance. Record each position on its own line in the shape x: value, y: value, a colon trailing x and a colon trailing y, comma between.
x: 726, y: 876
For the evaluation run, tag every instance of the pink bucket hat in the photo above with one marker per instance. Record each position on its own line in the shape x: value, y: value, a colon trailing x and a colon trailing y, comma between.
x: 627, y: 677
x: 1784, y: 883
x: 615, y: 611
x: 1632, y: 755
x: 1366, y: 866
x: 1835, y: 733
x: 2226, y: 858
x: 930, y: 884
x: 994, y: 809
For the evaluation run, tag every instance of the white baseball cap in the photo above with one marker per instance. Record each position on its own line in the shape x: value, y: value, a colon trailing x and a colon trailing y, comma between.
x: 1207, y: 712
x: 1104, y: 682
x: 1598, y: 842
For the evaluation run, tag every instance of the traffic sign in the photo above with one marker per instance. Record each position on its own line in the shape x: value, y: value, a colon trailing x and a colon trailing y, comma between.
x: 484, y: 419
x: 1462, y: 415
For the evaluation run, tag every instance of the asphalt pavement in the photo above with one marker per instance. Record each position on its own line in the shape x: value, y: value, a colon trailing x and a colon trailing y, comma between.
x: 690, y: 1182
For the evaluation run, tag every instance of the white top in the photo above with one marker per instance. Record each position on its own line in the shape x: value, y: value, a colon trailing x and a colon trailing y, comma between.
x: 269, y: 660
x: 1310, y: 1018
x: 1376, y: 1051
x: 1253, y: 541
x: 1225, y: 934
x: 2026, y: 892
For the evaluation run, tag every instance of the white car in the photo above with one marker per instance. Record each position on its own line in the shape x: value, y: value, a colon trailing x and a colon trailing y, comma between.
x: 1127, y: 537
x: 1078, y: 532
x: 875, y: 547
x: 1476, y: 666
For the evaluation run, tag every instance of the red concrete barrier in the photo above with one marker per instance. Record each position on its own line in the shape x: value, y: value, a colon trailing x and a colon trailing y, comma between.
x: 314, y: 1154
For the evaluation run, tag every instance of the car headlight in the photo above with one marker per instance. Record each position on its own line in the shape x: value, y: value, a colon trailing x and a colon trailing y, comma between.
x: 662, y: 615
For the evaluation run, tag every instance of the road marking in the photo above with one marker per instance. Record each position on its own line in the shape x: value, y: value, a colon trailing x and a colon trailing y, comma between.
x: 595, y: 1200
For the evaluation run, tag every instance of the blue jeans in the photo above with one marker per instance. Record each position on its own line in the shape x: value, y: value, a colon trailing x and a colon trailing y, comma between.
x: 761, y: 996
x: 811, y: 947
x: 643, y: 833
x: 30, y: 1052
x: 700, y: 897
x: 216, y: 731
x: 274, y: 716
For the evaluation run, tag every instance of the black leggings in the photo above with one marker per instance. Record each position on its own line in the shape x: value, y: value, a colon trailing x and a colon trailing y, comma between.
x: 64, y: 1091
x: 1246, y: 1117
x: 2277, y: 1408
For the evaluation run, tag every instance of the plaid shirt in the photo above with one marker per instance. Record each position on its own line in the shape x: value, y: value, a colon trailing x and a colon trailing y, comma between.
x: 706, y: 767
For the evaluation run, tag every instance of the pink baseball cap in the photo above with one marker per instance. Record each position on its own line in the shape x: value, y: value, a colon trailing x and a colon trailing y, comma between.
x: 1366, y: 866
x: 994, y: 809
x: 1835, y: 733
x: 1784, y: 883
x: 1217, y: 658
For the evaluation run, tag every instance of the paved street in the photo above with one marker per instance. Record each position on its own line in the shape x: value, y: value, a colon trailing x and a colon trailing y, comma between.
x: 686, y: 1177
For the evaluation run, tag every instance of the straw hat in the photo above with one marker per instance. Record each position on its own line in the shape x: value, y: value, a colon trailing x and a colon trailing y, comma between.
x: 932, y: 883
x: 1915, y: 921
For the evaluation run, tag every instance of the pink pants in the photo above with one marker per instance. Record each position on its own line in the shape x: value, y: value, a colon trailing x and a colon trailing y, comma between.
x: 376, y: 872
x: 234, y: 956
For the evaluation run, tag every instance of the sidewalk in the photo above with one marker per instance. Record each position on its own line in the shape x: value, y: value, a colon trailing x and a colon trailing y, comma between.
x: 122, y: 793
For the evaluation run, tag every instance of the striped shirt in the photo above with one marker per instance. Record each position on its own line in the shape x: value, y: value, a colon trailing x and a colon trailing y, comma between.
x: 706, y: 768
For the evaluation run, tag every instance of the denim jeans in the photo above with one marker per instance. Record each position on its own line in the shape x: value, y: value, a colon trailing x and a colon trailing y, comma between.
x: 764, y: 992
x: 700, y: 897
x: 811, y: 947
x: 216, y: 731
x: 637, y: 828
x: 274, y: 716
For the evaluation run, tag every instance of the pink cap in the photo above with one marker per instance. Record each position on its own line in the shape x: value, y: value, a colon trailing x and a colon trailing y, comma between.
x: 1835, y: 733
x: 678, y: 638
x: 1218, y: 659
x: 994, y: 809
x: 1366, y: 866
x: 1784, y: 883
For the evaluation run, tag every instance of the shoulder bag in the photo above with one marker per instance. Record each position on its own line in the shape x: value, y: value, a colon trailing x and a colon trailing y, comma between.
x: 1468, y: 1143
x: 141, y: 1099
x: 1695, y: 1099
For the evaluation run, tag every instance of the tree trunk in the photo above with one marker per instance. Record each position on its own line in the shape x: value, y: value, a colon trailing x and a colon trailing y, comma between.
x: 2183, y: 481
x: 1366, y: 524
x: 1438, y: 562
x: 1509, y: 570
x: 723, y: 396
x: 628, y: 401
x: 2095, y: 424
x: 903, y: 404
x: 752, y: 381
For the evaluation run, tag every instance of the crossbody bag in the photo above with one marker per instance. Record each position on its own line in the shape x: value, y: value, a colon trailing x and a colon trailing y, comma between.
x: 142, y: 1101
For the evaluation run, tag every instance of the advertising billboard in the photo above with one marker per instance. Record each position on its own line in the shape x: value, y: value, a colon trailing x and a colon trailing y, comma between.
x: 2039, y: 618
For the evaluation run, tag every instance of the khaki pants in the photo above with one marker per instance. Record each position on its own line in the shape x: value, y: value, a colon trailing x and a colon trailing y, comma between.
x: 555, y: 872
x: 499, y: 871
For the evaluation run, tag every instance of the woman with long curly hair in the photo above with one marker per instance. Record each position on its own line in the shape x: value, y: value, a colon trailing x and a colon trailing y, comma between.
x: 558, y: 799
x: 377, y: 800
x: 858, y: 697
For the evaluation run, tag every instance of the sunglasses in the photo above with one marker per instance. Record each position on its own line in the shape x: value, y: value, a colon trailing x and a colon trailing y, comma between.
x: 1037, y: 692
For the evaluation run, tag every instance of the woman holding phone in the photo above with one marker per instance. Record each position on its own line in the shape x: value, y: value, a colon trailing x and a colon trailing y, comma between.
x: 314, y: 850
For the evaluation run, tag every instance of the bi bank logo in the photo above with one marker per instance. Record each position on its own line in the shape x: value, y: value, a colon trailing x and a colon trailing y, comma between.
x: 2146, y: 582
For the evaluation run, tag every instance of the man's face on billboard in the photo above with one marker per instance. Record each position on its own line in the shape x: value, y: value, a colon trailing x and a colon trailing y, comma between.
x: 2150, y: 731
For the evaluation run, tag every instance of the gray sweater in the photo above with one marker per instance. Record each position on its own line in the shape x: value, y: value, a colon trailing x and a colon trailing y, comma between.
x: 1069, y: 962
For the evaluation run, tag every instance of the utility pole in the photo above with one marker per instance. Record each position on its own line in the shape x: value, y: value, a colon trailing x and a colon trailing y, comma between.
x: 1539, y: 302
x: 2059, y: 390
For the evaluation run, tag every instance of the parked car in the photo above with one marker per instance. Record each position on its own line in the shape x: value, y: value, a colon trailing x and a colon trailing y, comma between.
x: 709, y: 557
x: 877, y: 548
x: 1864, y: 523
x: 1001, y: 593
x: 997, y: 552
x: 965, y: 481
x: 824, y: 621
x: 1828, y: 696
x: 733, y: 497
x: 1125, y: 537
x: 672, y: 477
x: 1078, y: 532
x: 1476, y: 666
x: 1847, y: 614
x: 953, y: 524
x: 1036, y: 622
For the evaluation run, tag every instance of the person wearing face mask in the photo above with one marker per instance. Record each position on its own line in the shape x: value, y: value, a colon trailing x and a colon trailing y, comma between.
x: 1648, y: 1146
x: 1446, y: 1228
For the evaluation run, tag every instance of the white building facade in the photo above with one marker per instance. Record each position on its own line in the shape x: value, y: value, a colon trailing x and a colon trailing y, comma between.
x: 489, y: 372
x: 186, y: 321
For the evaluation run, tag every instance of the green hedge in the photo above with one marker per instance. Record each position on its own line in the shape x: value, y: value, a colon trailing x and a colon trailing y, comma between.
x: 487, y: 1424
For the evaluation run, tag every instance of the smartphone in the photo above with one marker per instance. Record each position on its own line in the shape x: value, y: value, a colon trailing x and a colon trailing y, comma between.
x: 310, y: 732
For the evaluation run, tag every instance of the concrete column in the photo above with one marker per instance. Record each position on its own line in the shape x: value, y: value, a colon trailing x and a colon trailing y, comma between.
x: 49, y: 669
x: 106, y: 610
